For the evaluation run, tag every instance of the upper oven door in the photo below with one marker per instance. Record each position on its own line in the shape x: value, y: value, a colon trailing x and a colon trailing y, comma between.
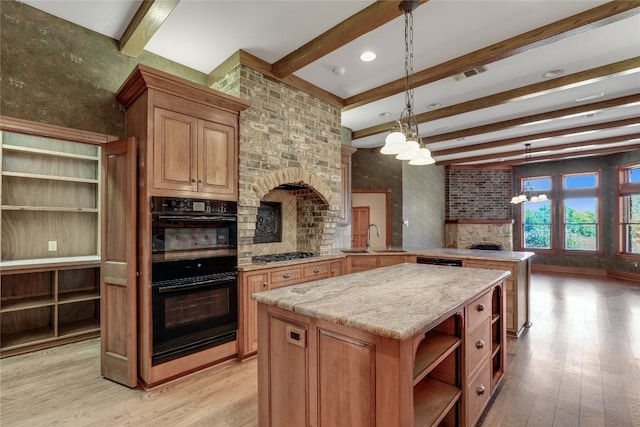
x: 195, y: 235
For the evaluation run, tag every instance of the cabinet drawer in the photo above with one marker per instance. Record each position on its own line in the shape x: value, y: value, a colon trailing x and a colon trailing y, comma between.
x: 479, y: 308
x: 285, y: 277
x: 478, y: 393
x: 478, y: 345
x: 315, y: 271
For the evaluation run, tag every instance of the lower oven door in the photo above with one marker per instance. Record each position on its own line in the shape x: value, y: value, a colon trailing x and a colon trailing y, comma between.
x: 190, y: 315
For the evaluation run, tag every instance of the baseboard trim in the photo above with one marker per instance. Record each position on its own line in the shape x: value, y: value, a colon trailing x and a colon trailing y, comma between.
x: 547, y: 268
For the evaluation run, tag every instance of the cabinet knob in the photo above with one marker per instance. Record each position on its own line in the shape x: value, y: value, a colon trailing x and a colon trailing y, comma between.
x: 480, y: 307
x: 193, y: 180
x: 480, y: 344
x: 480, y: 390
x: 316, y: 270
x: 286, y: 275
x: 264, y: 285
x: 200, y: 181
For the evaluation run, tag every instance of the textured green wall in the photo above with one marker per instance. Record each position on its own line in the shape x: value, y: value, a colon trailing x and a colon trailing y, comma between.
x: 55, y: 72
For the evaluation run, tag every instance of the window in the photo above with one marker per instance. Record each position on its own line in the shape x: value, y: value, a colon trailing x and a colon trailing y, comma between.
x: 536, y: 227
x: 629, y: 208
x: 580, y: 212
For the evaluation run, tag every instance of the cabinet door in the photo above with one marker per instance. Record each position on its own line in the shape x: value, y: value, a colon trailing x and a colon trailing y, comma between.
x: 174, y: 151
x: 336, y: 268
x: 118, y: 311
x: 217, y: 159
x: 252, y: 284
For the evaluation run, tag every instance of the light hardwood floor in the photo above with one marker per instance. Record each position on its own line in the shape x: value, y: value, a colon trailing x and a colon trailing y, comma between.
x: 579, y: 365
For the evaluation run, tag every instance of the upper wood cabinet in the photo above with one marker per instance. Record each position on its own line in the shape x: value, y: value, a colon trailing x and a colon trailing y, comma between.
x: 187, y: 135
x: 345, y: 172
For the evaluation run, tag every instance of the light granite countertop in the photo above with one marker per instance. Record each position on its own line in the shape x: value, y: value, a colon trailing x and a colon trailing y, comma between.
x: 397, y: 302
x: 426, y: 252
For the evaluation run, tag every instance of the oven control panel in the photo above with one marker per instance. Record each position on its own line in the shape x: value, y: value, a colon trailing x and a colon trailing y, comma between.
x: 183, y: 205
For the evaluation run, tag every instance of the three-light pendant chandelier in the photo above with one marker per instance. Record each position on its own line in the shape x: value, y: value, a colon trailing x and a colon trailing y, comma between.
x: 404, y: 140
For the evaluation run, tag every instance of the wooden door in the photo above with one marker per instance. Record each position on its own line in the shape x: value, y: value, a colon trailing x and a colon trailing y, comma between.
x: 175, y: 138
x: 217, y: 160
x: 119, y: 358
x: 360, y: 222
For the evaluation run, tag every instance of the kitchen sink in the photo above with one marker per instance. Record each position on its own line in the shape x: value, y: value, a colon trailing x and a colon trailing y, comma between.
x: 390, y: 250
x: 354, y: 251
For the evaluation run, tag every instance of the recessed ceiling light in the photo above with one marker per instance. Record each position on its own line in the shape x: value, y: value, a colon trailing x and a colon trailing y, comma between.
x: 367, y: 56
x: 385, y: 114
x: 553, y: 73
x: 590, y: 97
x: 434, y: 106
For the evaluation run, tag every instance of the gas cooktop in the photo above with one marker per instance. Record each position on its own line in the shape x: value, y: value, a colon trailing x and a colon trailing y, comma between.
x: 287, y: 256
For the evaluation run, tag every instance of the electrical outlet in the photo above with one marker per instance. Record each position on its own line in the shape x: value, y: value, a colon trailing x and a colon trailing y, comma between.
x: 53, y: 245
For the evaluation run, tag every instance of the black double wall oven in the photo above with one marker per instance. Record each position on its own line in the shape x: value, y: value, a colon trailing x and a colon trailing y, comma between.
x: 194, y: 275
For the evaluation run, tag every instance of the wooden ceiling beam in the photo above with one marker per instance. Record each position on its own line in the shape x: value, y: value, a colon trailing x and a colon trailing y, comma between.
x: 148, y: 18
x: 593, y: 18
x: 528, y: 91
x: 564, y: 156
x: 532, y: 137
x: 368, y: 19
x: 540, y: 149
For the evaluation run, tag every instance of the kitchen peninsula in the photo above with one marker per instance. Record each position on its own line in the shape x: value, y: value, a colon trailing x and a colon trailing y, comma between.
x: 403, y: 345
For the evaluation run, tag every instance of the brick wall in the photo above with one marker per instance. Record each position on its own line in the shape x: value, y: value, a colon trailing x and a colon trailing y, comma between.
x: 286, y: 136
x: 482, y: 194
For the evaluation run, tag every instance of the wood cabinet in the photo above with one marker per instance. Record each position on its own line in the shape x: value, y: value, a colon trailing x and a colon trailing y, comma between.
x: 185, y: 145
x: 367, y: 262
x: 344, y: 217
x: 194, y: 155
x: 49, y: 305
x: 251, y: 282
x: 517, y: 291
x: 315, y: 372
x: 485, y: 351
x: 50, y: 240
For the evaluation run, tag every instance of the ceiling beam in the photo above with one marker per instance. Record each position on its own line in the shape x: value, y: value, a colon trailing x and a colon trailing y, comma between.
x: 528, y: 91
x: 593, y: 18
x: 368, y: 19
x: 147, y: 20
x: 563, y: 156
x: 493, y: 127
x: 532, y: 137
x: 540, y: 149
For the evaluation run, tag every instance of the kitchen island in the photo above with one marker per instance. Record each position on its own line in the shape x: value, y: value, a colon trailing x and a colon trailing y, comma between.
x: 403, y: 345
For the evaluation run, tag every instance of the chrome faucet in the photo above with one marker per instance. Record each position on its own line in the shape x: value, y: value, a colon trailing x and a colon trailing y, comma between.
x: 369, y: 235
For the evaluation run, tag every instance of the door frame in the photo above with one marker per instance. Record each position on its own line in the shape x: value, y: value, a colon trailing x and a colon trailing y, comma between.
x: 387, y: 194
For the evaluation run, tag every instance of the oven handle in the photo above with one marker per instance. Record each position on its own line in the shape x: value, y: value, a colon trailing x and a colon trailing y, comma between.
x: 187, y: 286
x: 230, y: 218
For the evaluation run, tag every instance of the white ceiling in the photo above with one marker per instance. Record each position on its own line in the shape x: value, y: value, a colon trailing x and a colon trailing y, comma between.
x: 202, y: 34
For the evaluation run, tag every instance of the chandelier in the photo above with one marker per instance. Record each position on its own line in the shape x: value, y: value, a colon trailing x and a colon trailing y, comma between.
x: 404, y: 140
x: 527, y: 193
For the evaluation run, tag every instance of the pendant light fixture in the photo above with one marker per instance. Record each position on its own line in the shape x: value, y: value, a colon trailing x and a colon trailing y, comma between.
x: 404, y: 140
x: 527, y: 193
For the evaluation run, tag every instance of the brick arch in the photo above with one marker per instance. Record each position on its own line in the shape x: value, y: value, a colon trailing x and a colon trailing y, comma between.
x: 292, y: 176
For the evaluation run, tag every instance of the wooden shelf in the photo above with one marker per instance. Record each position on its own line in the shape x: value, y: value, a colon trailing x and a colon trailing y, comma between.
x: 27, y: 303
x: 79, y: 296
x: 27, y: 338
x: 47, y: 209
x: 50, y: 177
x: 80, y: 327
x: 432, y: 400
x: 433, y: 349
x: 43, y: 152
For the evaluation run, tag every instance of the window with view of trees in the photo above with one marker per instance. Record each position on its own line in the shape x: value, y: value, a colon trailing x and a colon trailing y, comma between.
x: 536, y: 227
x: 580, y: 212
x: 629, y: 208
